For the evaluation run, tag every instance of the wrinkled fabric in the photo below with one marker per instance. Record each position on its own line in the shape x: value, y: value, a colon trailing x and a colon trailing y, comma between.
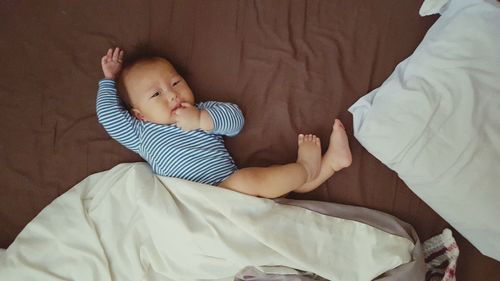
x: 128, y: 224
x: 291, y: 66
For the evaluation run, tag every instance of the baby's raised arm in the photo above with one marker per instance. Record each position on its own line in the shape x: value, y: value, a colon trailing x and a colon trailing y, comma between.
x: 113, y: 116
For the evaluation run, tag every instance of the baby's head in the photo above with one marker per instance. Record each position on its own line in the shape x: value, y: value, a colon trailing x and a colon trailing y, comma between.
x: 152, y: 88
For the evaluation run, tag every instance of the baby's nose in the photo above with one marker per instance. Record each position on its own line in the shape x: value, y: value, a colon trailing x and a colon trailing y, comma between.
x: 172, y: 95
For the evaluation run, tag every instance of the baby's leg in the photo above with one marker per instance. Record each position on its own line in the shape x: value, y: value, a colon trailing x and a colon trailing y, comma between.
x: 337, y: 157
x: 278, y: 180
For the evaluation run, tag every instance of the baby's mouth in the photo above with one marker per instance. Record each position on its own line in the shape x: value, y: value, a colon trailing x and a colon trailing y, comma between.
x: 177, y: 106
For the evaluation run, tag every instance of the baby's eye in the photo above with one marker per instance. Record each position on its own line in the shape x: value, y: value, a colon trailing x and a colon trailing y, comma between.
x: 155, y: 94
x: 176, y: 82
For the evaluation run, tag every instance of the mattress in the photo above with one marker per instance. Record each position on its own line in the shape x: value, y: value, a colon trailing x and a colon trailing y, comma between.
x: 291, y: 66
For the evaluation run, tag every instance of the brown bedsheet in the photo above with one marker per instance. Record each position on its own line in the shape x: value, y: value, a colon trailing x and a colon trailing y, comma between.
x: 292, y: 66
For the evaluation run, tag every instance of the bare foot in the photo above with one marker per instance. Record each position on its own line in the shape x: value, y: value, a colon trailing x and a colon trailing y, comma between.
x: 338, y: 155
x: 309, y: 155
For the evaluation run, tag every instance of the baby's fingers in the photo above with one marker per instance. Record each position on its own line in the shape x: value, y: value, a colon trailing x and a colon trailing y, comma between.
x: 116, y: 54
x: 120, y: 57
x: 104, y: 60
x: 107, y: 56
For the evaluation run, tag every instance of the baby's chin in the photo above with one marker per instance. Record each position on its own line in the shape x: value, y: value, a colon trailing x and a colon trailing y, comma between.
x: 161, y: 121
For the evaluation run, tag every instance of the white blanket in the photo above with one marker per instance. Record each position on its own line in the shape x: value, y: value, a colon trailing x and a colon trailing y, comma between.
x: 436, y: 120
x: 128, y: 224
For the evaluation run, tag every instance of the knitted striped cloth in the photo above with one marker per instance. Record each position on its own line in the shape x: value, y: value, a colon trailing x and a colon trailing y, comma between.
x: 441, y: 254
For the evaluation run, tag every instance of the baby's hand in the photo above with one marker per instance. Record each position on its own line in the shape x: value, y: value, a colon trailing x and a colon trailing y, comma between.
x: 112, y: 63
x: 187, y: 117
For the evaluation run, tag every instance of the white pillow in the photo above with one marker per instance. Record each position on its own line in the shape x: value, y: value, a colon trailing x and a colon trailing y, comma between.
x: 436, y: 119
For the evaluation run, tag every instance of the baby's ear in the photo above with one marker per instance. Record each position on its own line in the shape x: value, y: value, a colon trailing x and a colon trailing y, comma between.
x: 137, y: 114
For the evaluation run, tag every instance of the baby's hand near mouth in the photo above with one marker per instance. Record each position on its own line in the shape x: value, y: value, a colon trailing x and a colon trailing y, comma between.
x: 187, y: 117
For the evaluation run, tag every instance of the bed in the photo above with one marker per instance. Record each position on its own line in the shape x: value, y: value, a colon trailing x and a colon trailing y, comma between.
x: 292, y: 66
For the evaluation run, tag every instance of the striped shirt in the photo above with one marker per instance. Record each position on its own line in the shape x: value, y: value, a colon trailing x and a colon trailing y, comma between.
x: 193, y: 155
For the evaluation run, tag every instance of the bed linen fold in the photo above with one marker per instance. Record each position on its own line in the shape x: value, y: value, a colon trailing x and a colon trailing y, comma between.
x: 129, y: 224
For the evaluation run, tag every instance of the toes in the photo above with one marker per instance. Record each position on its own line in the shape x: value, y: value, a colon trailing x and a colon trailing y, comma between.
x: 301, y: 138
x: 309, y: 138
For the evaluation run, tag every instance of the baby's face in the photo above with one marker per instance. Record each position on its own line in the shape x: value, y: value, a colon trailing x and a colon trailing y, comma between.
x: 156, y: 91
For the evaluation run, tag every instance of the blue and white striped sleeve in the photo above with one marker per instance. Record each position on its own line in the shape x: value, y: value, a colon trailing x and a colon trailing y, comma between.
x: 115, y: 118
x: 227, y: 117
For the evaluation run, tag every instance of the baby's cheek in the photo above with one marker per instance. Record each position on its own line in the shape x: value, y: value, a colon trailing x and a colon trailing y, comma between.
x: 187, y: 96
x: 161, y: 114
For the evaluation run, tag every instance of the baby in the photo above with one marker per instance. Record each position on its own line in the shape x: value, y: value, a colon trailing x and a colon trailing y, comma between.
x: 183, y: 139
